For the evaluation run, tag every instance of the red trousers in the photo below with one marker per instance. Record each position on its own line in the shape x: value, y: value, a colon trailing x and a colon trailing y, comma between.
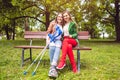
x: 67, y: 45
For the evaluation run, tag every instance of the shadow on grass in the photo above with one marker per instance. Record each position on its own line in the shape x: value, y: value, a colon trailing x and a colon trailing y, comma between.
x: 67, y: 69
x: 44, y: 62
x: 52, y: 78
x: 84, y: 64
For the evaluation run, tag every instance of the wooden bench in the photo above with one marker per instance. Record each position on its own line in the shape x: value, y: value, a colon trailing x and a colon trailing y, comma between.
x: 42, y: 35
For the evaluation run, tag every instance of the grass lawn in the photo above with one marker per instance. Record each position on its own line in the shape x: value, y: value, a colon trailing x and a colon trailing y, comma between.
x: 101, y: 63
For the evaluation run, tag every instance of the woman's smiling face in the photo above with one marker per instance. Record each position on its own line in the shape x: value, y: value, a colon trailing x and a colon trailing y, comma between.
x: 59, y: 18
x: 66, y: 17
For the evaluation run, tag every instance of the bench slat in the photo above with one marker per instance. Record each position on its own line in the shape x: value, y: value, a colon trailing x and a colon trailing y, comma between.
x: 35, y: 35
x: 42, y: 34
x: 83, y: 35
x: 42, y: 47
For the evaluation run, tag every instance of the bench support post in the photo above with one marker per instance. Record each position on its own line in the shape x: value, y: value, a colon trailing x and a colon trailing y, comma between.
x: 30, y: 54
x: 22, y: 57
x: 78, y: 60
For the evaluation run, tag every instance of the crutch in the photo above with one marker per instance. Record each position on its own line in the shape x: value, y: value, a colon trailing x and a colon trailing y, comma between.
x: 41, y: 53
x: 34, y: 72
x: 52, y: 37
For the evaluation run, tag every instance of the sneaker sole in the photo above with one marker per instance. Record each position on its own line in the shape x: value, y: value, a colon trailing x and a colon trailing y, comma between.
x: 52, y: 76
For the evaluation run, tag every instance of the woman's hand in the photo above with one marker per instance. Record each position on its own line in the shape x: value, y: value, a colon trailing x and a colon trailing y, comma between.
x: 70, y: 36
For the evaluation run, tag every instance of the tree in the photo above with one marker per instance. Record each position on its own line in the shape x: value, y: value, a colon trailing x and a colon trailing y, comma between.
x: 117, y: 19
x: 87, y: 13
x: 6, y: 9
x: 38, y: 10
x: 44, y: 10
x: 91, y: 15
x: 114, y: 11
x: 101, y: 11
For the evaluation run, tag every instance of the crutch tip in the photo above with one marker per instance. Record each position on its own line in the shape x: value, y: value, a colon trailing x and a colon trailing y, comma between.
x: 33, y: 73
x: 25, y: 73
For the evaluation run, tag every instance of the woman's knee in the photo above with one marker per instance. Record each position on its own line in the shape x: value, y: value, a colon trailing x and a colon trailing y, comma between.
x: 65, y: 41
x: 69, y: 46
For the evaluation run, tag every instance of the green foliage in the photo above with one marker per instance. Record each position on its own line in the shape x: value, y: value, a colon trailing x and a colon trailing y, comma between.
x: 87, y: 13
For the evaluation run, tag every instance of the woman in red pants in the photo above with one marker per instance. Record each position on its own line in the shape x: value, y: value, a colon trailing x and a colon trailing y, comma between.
x: 69, y: 41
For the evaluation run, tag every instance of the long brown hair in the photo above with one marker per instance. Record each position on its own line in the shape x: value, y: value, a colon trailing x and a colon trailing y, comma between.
x: 51, y: 26
x: 62, y: 18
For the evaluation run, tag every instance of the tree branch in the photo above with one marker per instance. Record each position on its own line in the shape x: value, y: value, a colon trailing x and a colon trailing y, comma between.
x: 24, y: 17
x: 106, y: 8
x: 28, y: 7
x: 110, y: 13
x: 30, y: 17
x: 33, y: 5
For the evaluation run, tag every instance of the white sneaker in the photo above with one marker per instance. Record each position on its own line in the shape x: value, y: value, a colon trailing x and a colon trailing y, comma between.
x: 53, y: 73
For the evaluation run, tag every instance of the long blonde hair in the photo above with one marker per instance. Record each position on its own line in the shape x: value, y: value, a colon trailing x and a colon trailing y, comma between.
x: 68, y: 14
x: 71, y: 19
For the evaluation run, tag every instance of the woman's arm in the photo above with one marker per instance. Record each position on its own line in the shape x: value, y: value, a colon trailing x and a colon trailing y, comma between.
x: 51, y: 27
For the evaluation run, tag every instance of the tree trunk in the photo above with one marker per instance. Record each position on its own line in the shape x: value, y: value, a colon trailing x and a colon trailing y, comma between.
x: 7, y: 31
x: 13, y: 31
x: 47, y: 19
x: 117, y: 24
x: 103, y: 35
x: 26, y: 24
